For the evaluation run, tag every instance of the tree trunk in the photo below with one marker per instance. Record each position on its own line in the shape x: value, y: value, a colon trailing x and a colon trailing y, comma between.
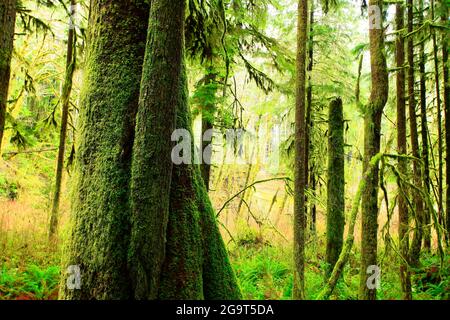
x: 152, y: 162
x: 65, y: 101
x: 444, y: 19
x: 417, y: 172
x: 100, y: 232
x: 176, y: 250
x: 7, y: 24
x: 439, y: 119
x: 309, y: 123
x: 372, y: 137
x: 208, y: 113
x: 403, y: 224
x: 335, y: 185
x: 424, y: 132
x: 300, y: 145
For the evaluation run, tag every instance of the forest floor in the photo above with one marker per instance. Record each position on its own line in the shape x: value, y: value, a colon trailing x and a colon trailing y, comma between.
x: 259, y: 243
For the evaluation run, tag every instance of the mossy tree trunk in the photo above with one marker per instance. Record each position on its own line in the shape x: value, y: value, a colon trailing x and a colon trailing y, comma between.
x: 439, y: 119
x: 65, y: 101
x: 100, y: 226
x: 335, y: 184
x: 416, y: 244
x: 403, y: 214
x: 7, y: 26
x: 152, y: 163
x: 372, y: 137
x: 444, y: 19
x: 300, y: 145
x: 424, y: 131
x: 176, y: 250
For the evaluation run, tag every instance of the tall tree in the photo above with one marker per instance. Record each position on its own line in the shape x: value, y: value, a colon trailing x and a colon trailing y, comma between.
x: 403, y: 214
x: 335, y: 184
x: 439, y: 118
x: 300, y: 145
x: 416, y: 244
x: 176, y: 250
x: 424, y: 129
x: 7, y: 25
x: 65, y: 102
x: 100, y: 226
x: 372, y: 139
x: 445, y: 75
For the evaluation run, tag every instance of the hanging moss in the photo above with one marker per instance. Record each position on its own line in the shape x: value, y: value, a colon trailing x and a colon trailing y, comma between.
x: 100, y: 225
x: 336, y: 184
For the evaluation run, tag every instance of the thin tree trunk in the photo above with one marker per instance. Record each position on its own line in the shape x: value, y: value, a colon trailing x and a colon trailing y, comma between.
x: 444, y: 19
x: 208, y: 113
x: 358, y: 80
x: 67, y: 89
x: 403, y: 225
x: 335, y: 185
x: 372, y: 139
x: 417, y: 172
x: 7, y: 26
x: 439, y: 119
x: 424, y: 132
x: 309, y: 123
x: 300, y: 145
x: 100, y: 232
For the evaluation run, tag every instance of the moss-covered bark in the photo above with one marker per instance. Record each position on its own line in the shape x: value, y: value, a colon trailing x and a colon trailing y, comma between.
x: 424, y: 131
x: 335, y: 185
x: 196, y: 264
x: 403, y: 213
x: 7, y: 24
x: 372, y: 136
x: 152, y: 163
x: 100, y: 227
x: 176, y: 250
x: 300, y: 145
x: 416, y: 244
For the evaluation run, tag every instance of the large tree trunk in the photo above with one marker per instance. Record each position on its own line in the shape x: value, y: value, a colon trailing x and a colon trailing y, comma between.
x: 100, y: 232
x: 176, y: 250
x: 65, y: 101
x: 335, y: 185
x: 7, y: 24
x: 152, y: 163
x: 403, y: 224
x: 424, y: 132
x: 417, y: 172
x: 372, y: 137
x: 300, y: 145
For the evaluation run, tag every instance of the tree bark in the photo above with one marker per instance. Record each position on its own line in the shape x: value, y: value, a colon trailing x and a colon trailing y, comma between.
x: 335, y: 185
x: 152, y: 162
x: 403, y: 225
x: 439, y: 119
x: 444, y: 19
x: 7, y: 24
x: 100, y: 226
x: 300, y: 145
x: 424, y: 132
x: 65, y: 101
x: 372, y: 137
x: 417, y: 171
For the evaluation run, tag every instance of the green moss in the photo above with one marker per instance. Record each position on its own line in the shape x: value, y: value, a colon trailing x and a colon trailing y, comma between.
x: 100, y: 210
